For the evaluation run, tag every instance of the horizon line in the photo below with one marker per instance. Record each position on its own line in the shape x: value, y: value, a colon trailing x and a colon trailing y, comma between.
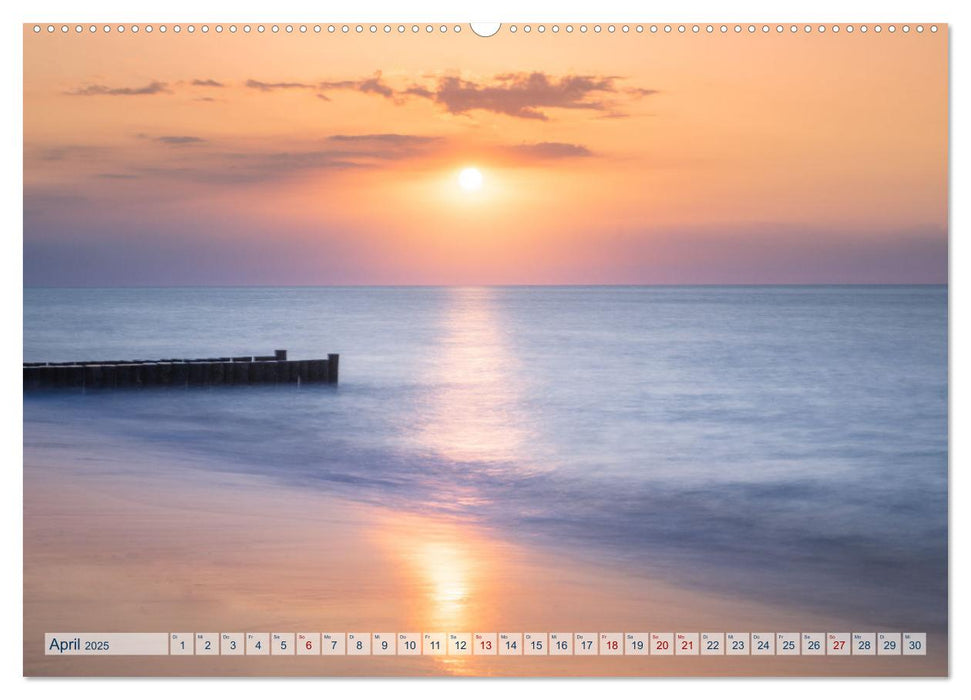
x: 492, y: 286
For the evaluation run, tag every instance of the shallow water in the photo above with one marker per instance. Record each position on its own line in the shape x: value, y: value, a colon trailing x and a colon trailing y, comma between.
x: 786, y: 444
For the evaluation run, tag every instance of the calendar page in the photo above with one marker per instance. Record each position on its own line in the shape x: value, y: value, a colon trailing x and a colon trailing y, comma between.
x: 424, y: 349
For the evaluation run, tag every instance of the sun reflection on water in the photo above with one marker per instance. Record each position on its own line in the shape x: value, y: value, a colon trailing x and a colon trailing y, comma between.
x: 475, y: 416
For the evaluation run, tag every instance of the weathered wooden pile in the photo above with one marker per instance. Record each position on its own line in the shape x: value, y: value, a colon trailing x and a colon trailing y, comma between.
x: 209, y: 371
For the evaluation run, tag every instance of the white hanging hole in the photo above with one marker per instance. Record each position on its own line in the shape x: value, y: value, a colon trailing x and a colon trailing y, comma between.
x: 484, y: 29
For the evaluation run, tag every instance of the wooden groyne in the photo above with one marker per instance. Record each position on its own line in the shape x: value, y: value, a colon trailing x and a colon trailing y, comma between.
x: 209, y: 371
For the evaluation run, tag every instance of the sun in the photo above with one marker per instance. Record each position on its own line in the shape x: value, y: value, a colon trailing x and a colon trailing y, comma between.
x: 470, y: 179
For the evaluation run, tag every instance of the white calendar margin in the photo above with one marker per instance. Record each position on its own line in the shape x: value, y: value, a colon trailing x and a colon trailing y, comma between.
x: 11, y: 303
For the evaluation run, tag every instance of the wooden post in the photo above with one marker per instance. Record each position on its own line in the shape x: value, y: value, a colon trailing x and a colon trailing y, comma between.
x: 293, y: 371
x: 150, y: 374
x: 180, y: 374
x: 197, y: 373
x: 122, y: 375
x: 332, y: 367
x: 31, y: 377
x: 241, y: 373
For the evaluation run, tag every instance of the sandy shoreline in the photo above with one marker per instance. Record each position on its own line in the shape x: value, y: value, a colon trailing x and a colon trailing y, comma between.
x: 165, y: 547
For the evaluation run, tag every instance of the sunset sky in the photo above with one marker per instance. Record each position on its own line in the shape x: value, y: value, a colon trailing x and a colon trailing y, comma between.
x: 289, y: 159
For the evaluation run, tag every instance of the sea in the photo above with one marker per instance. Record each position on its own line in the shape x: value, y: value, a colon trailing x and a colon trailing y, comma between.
x: 777, y: 443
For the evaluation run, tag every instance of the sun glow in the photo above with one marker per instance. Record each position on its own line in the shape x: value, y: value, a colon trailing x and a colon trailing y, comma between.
x: 470, y: 179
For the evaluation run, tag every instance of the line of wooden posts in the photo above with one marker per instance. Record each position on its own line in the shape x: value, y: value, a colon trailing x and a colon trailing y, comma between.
x: 211, y: 371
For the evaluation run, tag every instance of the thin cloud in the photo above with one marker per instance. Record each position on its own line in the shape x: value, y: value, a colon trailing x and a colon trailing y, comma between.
x: 523, y: 95
x: 392, y: 139
x: 180, y: 140
x: 269, y: 87
x: 551, y: 150
x: 153, y: 88
x: 374, y: 85
x: 208, y: 82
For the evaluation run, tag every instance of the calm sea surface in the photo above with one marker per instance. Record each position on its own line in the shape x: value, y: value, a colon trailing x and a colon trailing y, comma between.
x: 787, y: 444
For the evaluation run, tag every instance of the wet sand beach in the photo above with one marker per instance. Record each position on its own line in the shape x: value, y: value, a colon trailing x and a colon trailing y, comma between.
x: 118, y: 538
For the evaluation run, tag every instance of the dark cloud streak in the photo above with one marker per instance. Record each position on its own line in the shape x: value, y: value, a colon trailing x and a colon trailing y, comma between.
x: 153, y: 88
x: 551, y: 150
x: 270, y: 87
x: 180, y: 140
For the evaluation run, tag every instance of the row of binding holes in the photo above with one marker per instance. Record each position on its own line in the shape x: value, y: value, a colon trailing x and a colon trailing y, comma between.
x: 514, y: 28
x: 258, y: 28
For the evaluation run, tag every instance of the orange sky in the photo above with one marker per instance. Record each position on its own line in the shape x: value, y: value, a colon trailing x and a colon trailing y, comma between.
x: 611, y: 158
